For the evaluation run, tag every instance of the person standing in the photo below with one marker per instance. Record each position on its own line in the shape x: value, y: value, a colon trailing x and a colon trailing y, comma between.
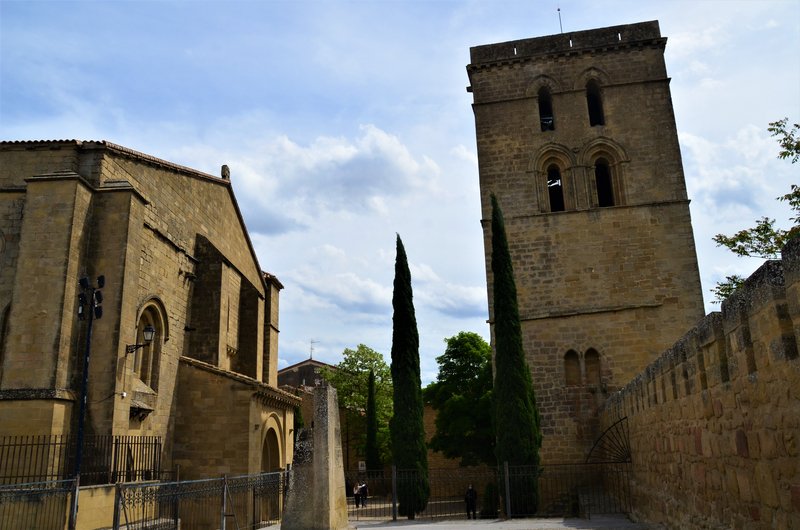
x: 356, y: 494
x: 471, y: 500
x: 362, y: 492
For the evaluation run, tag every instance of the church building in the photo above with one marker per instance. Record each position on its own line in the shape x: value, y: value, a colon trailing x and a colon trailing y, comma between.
x: 131, y: 283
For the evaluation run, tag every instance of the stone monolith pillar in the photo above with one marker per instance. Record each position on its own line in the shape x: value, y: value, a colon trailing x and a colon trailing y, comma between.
x: 316, y: 499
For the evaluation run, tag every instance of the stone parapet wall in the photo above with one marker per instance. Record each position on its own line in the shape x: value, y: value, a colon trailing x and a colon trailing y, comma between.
x: 568, y: 43
x: 715, y: 421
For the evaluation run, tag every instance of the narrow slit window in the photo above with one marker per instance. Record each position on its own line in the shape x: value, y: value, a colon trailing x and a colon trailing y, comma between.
x: 546, y: 119
x: 605, y: 187
x: 595, y: 103
x: 555, y: 188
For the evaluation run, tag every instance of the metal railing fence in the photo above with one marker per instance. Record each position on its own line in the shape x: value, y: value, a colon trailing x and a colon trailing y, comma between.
x: 256, y: 501
x: 36, y: 506
x: 107, y: 459
x: 242, y: 502
x: 574, y: 490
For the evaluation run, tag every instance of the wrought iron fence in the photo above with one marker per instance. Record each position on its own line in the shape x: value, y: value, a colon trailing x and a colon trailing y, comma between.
x: 554, y: 490
x: 577, y: 490
x: 34, y: 458
x: 36, y: 506
x: 107, y: 459
x: 242, y: 502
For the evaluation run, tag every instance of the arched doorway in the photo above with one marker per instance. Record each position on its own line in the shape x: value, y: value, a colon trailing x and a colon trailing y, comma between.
x: 271, y: 462
x: 271, y: 452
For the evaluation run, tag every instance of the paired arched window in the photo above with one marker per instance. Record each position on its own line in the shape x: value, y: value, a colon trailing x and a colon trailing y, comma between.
x: 147, y: 359
x: 546, y: 117
x: 555, y: 188
x: 572, y: 369
x: 591, y: 364
x: 603, y: 183
x: 595, y: 103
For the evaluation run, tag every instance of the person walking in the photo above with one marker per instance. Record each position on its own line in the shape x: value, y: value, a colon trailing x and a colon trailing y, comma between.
x: 356, y: 494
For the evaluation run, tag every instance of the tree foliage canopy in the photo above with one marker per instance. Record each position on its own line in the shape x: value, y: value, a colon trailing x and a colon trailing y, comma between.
x: 788, y: 139
x: 350, y: 378
x: 462, y: 397
x: 764, y: 240
x: 408, y: 432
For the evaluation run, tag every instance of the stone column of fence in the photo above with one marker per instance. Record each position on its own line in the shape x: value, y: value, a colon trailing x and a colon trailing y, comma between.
x: 316, y: 498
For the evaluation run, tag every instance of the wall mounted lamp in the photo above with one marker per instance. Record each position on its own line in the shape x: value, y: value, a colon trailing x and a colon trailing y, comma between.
x: 148, y: 333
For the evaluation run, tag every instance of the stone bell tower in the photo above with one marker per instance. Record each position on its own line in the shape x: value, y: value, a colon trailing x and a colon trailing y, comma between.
x: 576, y: 137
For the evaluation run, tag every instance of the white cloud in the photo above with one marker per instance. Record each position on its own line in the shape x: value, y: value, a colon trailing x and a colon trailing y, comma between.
x: 468, y: 155
x: 345, y: 128
x: 698, y: 67
x: 345, y: 290
x: 692, y: 42
x: 300, y: 183
x: 423, y: 273
x: 458, y: 301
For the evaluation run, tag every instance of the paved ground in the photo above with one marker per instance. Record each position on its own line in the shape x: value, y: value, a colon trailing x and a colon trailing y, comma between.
x: 598, y: 522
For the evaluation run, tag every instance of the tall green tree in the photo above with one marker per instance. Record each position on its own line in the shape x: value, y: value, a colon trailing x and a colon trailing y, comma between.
x: 516, y: 415
x: 765, y: 240
x: 408, y: 432
x: 462, y: 398
x: 372, y: 452
x: 350, y: 378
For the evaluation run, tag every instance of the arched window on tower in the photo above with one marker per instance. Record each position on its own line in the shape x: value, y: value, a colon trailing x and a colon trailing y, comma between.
x: 592, y: 362
x: 605, y: 187
x: 595, y: 104
x: 546, y: 118
x: 555, y: 188
x: 572, y: 369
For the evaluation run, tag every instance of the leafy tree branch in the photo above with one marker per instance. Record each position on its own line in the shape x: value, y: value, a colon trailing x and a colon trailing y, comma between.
x: 765, y: 240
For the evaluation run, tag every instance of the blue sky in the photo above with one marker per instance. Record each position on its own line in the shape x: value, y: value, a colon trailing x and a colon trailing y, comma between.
x: 346, y: 122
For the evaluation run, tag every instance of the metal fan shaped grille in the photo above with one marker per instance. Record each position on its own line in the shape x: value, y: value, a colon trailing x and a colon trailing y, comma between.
x: 613, y: 445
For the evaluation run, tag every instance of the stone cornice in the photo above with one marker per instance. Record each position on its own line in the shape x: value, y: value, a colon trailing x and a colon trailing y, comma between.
x: 508, y: 218
x: 26, y: 394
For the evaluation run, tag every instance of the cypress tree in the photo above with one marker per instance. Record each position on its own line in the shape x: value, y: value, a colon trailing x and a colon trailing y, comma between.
x: 407, y: 430
x: 373, y: 454
x: 517, y: 418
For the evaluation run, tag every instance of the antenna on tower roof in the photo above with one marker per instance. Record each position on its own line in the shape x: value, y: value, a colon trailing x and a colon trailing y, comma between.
x: 559, y: 20
x: 311, y: 349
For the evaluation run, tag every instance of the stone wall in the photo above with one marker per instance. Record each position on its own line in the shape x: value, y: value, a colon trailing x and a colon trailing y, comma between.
x: 715, y: 421
x: 229, y: 423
